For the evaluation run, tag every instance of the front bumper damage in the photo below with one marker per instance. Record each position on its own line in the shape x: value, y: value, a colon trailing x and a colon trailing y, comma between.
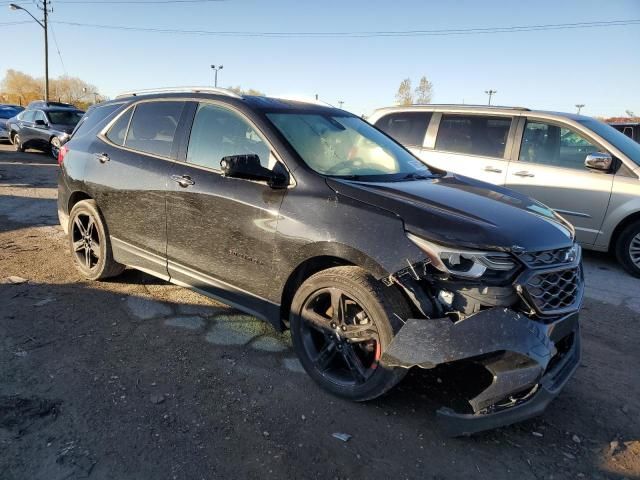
x: 529, y: 362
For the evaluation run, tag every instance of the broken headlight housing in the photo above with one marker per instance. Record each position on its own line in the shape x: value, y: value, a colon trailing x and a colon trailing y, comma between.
x: 460, y: 262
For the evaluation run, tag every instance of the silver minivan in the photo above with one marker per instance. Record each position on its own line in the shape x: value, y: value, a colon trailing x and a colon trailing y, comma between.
x: 584, y: 169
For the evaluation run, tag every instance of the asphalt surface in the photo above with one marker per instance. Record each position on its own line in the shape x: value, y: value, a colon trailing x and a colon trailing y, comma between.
x: 135, y: 378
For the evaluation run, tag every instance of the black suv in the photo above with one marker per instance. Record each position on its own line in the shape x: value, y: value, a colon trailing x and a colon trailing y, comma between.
x: 43, y: 126
x: 312, y: 219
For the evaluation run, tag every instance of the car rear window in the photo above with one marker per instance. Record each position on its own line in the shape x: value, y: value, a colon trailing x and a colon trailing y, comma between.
x: 473, y: 134
x: 93, y: 117
x: 64, y: 117
x: 153, y: 127
x: 408, y: 128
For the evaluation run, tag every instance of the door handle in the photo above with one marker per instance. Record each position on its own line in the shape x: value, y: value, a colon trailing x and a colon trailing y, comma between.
x: 102, y: 157
x: 524, y: 173
x: 183, y: 180
x: 489, y: 168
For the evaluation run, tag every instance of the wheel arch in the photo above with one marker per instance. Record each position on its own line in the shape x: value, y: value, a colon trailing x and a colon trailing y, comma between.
x: 322, y: 256
x: 76, y: 197
x: 628, y: 220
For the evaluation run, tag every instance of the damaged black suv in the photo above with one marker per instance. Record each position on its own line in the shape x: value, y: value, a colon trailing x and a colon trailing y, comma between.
x: 312, y: 219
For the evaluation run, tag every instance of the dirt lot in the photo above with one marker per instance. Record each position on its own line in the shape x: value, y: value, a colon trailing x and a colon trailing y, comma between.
x: 138, y: 379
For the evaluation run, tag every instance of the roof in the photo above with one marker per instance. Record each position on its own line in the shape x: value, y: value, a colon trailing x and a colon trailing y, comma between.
x: 486, y: 109
x: 254, y: 101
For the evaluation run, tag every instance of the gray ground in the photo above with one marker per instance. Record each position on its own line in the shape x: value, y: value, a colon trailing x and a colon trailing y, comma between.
x: 135, y: 378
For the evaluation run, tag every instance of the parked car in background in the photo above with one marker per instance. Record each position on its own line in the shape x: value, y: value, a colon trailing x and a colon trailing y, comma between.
x: 44, y: 104
x: 43, y: 128
x: 584, y: 169
x: 308, y: 217
x: 630, y: 129
x: 7, y: 112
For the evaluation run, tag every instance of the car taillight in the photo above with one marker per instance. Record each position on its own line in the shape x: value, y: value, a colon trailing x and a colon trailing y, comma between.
x: 61, y: 153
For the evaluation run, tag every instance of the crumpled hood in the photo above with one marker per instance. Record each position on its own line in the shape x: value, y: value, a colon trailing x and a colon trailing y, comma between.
x: 457, y: 210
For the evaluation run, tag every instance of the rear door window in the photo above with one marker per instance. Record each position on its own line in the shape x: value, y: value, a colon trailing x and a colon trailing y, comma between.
x: 484, y: 136
x: 408, y: 128
x: 153, y: 127
x: 27, y: 115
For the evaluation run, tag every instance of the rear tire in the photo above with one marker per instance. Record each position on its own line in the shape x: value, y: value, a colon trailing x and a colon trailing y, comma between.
x: 353, y: 370
x: 17, y: 143
x: 628, y: 248
x: 90, y: 244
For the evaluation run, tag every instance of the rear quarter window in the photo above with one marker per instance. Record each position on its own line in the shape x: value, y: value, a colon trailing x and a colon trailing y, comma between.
x: 407, y: 128
x: 93, y: 117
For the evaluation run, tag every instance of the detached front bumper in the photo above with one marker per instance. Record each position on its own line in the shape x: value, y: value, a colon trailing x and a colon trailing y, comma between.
x: 529, y: 362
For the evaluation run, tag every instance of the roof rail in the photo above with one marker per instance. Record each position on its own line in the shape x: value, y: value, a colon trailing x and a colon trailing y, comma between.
x: 150, y: 91
x: 467, y: 105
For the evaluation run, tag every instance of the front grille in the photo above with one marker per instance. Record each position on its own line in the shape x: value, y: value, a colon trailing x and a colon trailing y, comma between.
x: 555, y: 291
x: 546, y: 258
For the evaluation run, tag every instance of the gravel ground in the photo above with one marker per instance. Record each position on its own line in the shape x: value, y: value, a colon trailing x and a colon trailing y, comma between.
x: 135, y: 378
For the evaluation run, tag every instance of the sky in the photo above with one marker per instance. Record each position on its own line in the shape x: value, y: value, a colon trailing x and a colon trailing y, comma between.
x: 548, y: 69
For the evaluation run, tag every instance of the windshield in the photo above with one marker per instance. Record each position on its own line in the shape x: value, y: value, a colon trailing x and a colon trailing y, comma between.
x: 8, y: 112
x: 65, y: 117
x: 346, y: 146
x: 618, y: 139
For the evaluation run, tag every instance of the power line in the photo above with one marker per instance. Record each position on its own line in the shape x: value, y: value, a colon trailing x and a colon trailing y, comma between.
x: 55, y: 41
x: 406, y: 33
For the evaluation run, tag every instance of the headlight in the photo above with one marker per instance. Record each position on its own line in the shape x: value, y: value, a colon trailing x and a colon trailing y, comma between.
x: 461, y: 262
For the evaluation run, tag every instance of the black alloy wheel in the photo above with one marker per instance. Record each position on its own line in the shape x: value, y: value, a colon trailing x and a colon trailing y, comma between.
x: 86, y: 241
x: 340, y: 337
x: 90, y: 244
x: 342, y: 319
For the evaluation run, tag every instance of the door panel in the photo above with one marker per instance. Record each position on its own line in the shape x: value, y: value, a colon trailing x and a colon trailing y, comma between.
x: 133, y: 183
x: 473, y: 145
x: 221, y: 230
x: 554, y: 173
x: 491, y: 170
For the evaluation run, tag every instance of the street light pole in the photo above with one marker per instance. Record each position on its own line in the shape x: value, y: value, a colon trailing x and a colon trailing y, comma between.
x: 215, y: 69
x: 579, y: 106
x: 45, y: 9
x: 491, y: 93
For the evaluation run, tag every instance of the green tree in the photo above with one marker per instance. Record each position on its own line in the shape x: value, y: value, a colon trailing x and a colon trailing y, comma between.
x: 424, y: 91
x: 405, y: 94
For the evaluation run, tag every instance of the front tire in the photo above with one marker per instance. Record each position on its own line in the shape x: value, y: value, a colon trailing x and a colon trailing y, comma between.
x: 17, y: 143
x: 90, y: 244
x: 628, y: 248
x: 342, y: 319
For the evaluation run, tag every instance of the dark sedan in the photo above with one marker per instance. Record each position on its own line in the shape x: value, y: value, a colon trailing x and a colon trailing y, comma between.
x: 43, y: 128
x: 6, y: 112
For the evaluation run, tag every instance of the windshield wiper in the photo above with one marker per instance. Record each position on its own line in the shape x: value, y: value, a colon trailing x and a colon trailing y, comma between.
x: 416, y: 176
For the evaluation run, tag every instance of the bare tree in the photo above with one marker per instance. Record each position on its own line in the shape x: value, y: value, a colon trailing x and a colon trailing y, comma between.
x: 405, y: 94
x: 424, y: 91
x: 21, y: 88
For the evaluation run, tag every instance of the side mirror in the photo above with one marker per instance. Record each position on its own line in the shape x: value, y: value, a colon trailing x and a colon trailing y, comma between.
x: 40, y: 123
x: 599, y: 161
x: 248, y: 167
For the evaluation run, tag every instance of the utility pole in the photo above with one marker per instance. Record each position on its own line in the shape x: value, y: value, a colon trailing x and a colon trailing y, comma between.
x: 340, y: 103
x: 579, y: 106
x: 45, y: 8
x: 491, y: 93
x: 215, y: 69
